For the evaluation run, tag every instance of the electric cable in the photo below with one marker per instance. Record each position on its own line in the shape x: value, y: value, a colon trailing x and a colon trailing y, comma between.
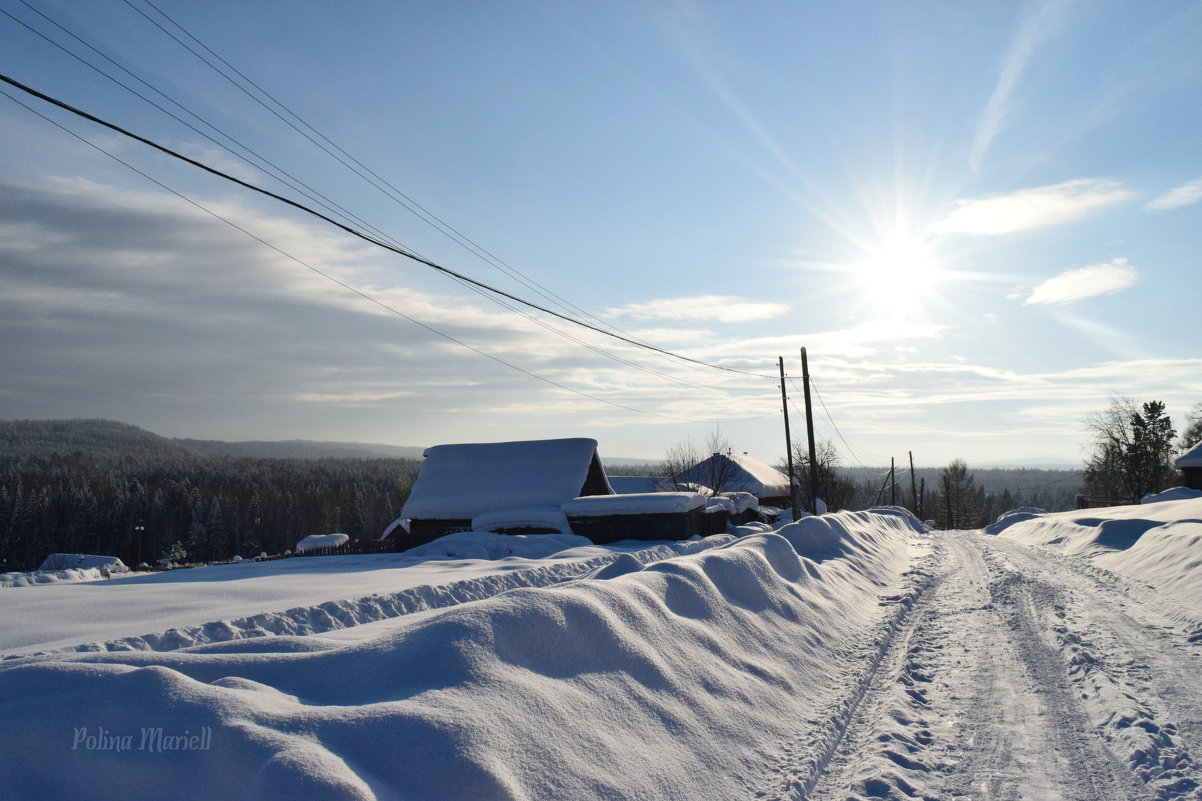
x: 357, y: 233
x: 404, y: 200
x: 391, y: 309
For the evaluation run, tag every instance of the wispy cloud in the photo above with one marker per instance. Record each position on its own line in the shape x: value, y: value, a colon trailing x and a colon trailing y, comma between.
x: 708, y: 308
x: 1031, y: 208
x: 1085, y: 282
x: 1185, y: 195
x: 1039, y: 26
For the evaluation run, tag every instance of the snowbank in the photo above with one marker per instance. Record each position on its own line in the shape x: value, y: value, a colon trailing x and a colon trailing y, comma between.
x: 234, y: 602
x: 38, y: 577
x: 315, y: 541
x: 1007, y: 519
x: 1174, y: 494
x: 83, y: 561
x: 687, y: 678
x: 484, y: 544
x: 1157, y: 543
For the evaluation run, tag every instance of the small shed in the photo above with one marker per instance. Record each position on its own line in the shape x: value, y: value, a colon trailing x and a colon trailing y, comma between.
x: 739, y: 473
x: 460, y: 482
x: 638, y: 516
x: 1190, y: 465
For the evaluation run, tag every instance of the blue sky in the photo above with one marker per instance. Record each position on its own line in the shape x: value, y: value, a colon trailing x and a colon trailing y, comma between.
x: 982, y: 220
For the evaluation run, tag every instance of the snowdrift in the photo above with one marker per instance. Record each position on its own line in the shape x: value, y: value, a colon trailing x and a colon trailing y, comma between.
x: 1159, y: 543
x: 684, y: 678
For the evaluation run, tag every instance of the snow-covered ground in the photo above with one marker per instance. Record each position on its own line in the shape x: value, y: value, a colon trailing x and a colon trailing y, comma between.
x: 853, y: 655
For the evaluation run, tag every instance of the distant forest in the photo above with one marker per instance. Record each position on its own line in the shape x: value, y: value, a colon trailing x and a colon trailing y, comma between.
x: 95, y: 486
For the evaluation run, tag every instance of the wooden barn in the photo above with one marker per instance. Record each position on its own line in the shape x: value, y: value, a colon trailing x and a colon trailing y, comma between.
x: 529, y: 479
x: 1190, y: 465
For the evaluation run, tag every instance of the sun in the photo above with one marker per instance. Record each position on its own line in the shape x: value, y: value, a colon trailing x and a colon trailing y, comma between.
x: 899, y: 271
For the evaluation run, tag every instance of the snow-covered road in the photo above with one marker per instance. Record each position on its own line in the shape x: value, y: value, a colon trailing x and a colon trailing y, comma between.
x: 1020, y: 673
x: 855, y: 655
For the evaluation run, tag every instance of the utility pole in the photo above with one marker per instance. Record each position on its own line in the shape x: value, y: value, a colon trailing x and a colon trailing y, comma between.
x: 913, y: 489
x: 805, y: 381
x: 892, y: 484
x: 784, y: 402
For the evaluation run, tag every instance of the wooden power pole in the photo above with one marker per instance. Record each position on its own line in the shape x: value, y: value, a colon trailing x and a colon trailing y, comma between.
x: 913, y: 489
x: 784, y: 402
x: 892, y: 484
x: 805, y: 382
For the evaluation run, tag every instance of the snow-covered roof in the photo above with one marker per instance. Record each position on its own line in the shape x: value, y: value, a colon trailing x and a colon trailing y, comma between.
x: 1191, y: 458
x: 315, y: 541
x: 459, y: 482
x: 643, y: 503
x: 83, y: 561
x: 740, y: 473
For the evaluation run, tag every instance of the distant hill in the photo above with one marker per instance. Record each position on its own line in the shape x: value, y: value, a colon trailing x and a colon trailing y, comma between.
x: 110, y: 438
x: 300, y: 449
x: 106, y: 438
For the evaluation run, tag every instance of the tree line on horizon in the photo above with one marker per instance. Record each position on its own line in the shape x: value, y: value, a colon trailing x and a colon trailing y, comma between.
x: 144, y: 508
x: 143, y: 498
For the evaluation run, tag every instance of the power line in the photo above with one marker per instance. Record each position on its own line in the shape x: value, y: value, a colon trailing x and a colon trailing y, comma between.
x: 312, y: 194
x: 359, y: 234
x: 271, y: 169
x: 391, y: 309
x: 375, y: 180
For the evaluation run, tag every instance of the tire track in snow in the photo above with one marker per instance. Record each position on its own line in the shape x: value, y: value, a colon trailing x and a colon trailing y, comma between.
x: 1134, y: 670
x: 808, y: 758
x: 967, y: 701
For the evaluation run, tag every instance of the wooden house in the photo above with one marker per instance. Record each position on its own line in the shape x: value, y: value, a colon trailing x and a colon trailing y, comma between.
x: 1190, y: 465
x: 458, y: 483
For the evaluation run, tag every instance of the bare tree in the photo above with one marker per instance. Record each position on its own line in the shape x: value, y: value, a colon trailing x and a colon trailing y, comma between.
x: 835, y: 489
x: 686, y: 464
x: 1192, y: 434
x: 1132, y: 450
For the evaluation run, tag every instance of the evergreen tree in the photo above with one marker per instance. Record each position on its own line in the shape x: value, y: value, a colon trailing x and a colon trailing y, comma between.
x: 1132, y: 454
x: 958, y: 503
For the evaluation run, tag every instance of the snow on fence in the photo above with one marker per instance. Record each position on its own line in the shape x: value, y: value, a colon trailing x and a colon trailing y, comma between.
x: 353, y: 547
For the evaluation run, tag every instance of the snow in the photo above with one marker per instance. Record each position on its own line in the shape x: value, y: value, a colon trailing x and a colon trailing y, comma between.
x: 741, y: 501
x: 36, y: 577
x: 850, y: 655
x: 58, y: 568
x: 1007, y: 519
x: 612, y: 686
x: 741, y: 473
x: 643, y: 503
x: 1158, y: 543
x: 1191, y: 458
x: 551, y: 517
x: 315, y: 541
x: 459, y: 482
x: 302, y: 595
x: 1174, y: 494
x: 81, y: 561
